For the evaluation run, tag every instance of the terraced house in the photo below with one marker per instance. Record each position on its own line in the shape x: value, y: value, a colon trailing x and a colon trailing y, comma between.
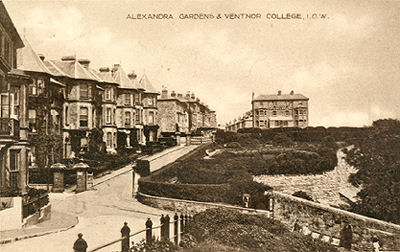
x: 45, y: 109
x: 14, y: 146
x: 82, y: 108
x: 150, y: 109
x: 183, y: 114
x: 129, y: 108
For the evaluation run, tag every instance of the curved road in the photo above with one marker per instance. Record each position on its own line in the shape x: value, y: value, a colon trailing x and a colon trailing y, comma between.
x: 101, y: 212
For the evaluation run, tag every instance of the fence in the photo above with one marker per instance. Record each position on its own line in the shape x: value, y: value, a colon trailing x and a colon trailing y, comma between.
x: 34, y: 203
x: 179, y: 223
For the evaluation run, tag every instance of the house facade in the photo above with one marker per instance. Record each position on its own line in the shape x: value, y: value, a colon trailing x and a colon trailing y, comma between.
x: 129, y: 111
x: 280, y: 110
x: 45, y: 109
x: 150, y: 111
x: 184, y: 114
x: 14, y: 146
x: 243, y: 122
x: 82, y: 108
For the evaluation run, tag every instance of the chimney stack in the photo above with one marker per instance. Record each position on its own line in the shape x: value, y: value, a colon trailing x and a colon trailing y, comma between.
x: 41, y: 56
x: 164, y: 93
x: 132, y: 75
x: 180, y: 96
x: 84, y: 62
x: 104, y: 69
x: 193, y: 96
x: 292, y: 92
x: 173, y: 94
x: 68, y: 58
x: 187, y: 97
x: 279, y: 92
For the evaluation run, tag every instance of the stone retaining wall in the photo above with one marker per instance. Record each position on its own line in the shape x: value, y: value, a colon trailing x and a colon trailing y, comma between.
x: 189, y: 206
x: 327, y: 223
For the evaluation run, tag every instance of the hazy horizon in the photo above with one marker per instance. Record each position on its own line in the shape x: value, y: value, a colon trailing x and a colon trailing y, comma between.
x: 346, y: 63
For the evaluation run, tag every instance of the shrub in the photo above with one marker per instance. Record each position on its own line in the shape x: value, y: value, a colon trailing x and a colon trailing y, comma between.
x: 245, y: 232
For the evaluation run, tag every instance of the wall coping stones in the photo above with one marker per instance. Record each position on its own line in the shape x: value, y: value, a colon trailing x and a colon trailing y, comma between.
x: 335, y: 210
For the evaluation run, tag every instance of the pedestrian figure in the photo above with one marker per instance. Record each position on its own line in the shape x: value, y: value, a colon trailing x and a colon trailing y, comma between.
x: 346, y: 236
x: 376, y: 245
x: 306, y: 231
x: 80, y: 244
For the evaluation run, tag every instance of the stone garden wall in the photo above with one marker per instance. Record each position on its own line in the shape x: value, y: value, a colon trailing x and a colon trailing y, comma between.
x: 328, y: 223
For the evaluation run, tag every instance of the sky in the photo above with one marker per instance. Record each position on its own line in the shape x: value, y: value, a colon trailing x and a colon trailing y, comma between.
x: 347, y: 63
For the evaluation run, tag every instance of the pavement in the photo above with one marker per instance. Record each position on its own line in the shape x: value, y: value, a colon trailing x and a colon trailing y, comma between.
x: 98, y: 213
x: 59, y: 222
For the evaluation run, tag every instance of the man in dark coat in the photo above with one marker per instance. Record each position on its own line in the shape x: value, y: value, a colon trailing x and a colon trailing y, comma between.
x: 80, y: 244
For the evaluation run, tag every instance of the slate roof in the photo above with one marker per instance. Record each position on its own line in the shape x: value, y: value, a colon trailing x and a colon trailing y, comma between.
x: 71, y: 68
x: 28, y: 60
x: 122, y: 78
x: 107, y: 77
x: 146, y: 84
x: 281, y: 97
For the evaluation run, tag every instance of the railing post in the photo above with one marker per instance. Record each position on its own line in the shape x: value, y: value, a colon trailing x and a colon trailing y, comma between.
x: 176, y: 219
x: 182, y: 225
x: 167, y: 226
x: 162, y: 231
x: 125, y: 232
x: 149, y: 226
x: 186, y: 222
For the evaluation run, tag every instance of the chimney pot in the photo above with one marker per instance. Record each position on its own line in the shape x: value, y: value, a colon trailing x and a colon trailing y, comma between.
x: 68, y: 58
x: 84, y: 62
x: 292, y: 92
x: 279, y: 92
x: 173, y: 94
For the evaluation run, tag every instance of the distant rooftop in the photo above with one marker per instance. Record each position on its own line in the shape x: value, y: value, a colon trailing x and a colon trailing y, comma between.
x: 280, y: 97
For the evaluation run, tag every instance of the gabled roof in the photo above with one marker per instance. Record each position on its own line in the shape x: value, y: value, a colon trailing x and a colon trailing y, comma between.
x: 28, y: 60
x: 281, y: 97
x: 6, y: 21
x: 146, y: 84
x: 71, y: 68
x: 107, y: 77
x: 122, y: 78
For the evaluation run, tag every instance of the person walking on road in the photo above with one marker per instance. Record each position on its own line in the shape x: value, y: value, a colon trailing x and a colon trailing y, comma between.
x: 80, y: 244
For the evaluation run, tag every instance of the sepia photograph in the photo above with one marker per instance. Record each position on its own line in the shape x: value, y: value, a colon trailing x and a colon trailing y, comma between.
x: 199, y: 126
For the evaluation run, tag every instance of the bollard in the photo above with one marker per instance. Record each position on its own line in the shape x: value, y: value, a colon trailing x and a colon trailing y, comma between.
x: 162, y: 231
x: 182, y: 225
x: 186, y: 222
x: 125, y: 232
x: 176, y: 219
x: 149, y: 226
x: 167, y: 226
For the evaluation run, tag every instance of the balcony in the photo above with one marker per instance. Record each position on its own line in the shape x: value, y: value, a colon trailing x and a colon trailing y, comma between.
x: 9, y: 128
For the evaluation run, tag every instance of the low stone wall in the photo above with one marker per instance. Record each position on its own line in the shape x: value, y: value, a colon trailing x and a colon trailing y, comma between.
x: 42, y: 215
x: 328, y: 223
x: 189, y: 206
x: 11, y: 218
x: 198, y: 140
